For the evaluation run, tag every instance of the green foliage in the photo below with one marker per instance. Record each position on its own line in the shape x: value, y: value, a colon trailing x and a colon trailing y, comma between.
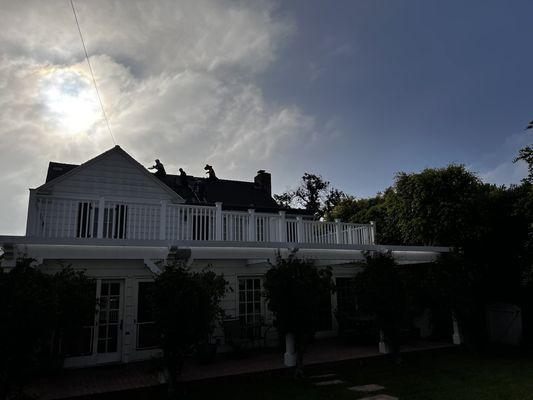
x: 186, y: 306
x: 294, y: 288
x: 364, y: 211
x: 39, y: 311
x: 443, y: 207
x: 437, y: 206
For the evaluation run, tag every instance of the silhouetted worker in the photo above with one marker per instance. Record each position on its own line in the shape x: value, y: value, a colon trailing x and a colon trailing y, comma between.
x: 184, y: 178
x: 160, y: 169
x: 210, y: 172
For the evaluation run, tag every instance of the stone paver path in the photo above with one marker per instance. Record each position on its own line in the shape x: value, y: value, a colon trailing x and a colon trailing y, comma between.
x: 322, y: 376
x: 367, y: 388
x: 329, y: 383
x: 380, y: 397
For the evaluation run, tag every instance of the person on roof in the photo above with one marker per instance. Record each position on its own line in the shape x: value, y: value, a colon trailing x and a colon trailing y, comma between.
x: 160, y: 169
x: 210, y: 172
x: 184, y: 178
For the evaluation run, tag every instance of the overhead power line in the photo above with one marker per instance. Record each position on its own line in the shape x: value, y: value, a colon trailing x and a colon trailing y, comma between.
x: 92, y: 73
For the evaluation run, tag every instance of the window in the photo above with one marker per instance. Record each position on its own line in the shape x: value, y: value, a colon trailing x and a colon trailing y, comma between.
x: 87, y: 220
x: 250, y: 307
x: 347, y: 313
x: 346, y: 300
x: 146, y: 335
x: 115, y: 221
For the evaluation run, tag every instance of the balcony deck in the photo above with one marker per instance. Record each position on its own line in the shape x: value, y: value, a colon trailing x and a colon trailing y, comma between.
x: 128, y: 222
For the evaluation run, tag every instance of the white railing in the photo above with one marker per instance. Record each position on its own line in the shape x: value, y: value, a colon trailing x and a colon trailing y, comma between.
x: 105, y: 219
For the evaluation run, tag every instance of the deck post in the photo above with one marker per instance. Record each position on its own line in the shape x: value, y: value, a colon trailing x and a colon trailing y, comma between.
x: 372, y: 232
x: 163, y: 221
x: 282, y: 231
x: 300, y: 228
x: 101, y: 212
x: 251, y: 226
x: 218, y: 221
x: 338, y: 233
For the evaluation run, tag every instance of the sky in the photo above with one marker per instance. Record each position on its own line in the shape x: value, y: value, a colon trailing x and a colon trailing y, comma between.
x: 354, y: 90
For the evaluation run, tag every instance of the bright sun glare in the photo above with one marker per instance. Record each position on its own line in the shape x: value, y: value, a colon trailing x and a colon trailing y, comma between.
x: 70, y: 100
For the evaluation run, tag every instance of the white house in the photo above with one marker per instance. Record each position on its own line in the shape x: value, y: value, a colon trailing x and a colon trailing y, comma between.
x: 115, y: 219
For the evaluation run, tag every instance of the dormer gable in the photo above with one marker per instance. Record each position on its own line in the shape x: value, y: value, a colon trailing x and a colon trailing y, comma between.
x: 112, y: 174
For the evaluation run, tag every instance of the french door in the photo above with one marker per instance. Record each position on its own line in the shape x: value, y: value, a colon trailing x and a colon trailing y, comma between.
x: 109, y: 321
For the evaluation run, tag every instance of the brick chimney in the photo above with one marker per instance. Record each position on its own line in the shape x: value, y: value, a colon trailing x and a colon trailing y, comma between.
x: 263, y: 181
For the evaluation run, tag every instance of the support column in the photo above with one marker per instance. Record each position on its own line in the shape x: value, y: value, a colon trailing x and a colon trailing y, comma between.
x: 252, y: 234
x: 289, y: 357
x: 383, y: 346
x: 218, y: 221
x: 456, y: 337
x: 282, y: 231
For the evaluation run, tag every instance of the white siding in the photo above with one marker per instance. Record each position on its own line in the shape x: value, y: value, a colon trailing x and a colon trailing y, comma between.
x: 112, y: 176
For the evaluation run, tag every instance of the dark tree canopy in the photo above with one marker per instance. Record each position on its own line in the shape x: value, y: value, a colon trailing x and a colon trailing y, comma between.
x: 186, y: 307
x: 383, y: 290
x: 438, y: 206
x: 40, y: 311
x: 294, y: 288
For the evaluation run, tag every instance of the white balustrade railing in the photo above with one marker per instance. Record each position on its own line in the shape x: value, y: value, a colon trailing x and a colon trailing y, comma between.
x: 185, y: 222
x: 89, y: 218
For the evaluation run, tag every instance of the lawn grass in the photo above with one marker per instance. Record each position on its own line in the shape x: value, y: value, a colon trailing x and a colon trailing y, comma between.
x: 451, y: 375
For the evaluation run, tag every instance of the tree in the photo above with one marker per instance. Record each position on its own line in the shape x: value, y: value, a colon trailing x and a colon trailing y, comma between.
x: 438, y: 207
x: 40, y: 311
x: 313, y: 194
x: 284, y: 199
x: 186, y: 306
x: 294, y: 288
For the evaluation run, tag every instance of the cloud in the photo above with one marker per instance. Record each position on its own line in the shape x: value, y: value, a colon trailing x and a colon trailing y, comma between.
x: 498, y: 167
x: 178, y: 81
x: 505, y: 173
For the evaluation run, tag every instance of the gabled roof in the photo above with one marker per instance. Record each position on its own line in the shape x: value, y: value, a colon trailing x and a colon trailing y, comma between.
x: 58, y: 172
x: 56, y: 169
